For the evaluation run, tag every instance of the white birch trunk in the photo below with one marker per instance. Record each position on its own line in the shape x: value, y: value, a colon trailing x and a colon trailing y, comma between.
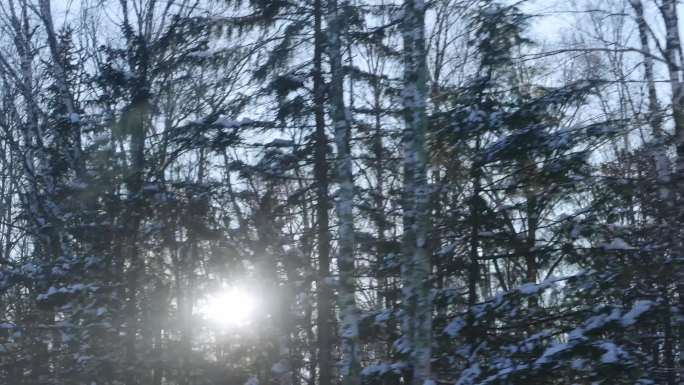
x: 673, y: 55
x: 349, y: 365
x: 74, y: 155
x: 659, y: 156
x: 417, y: 323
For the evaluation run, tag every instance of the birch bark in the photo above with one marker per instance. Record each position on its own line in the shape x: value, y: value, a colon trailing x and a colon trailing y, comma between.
x: 673, y: 56
x: 417, y: 323
x: 349, y: 329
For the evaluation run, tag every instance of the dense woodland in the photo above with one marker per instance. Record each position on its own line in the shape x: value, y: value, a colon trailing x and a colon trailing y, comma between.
x: 413, y: 192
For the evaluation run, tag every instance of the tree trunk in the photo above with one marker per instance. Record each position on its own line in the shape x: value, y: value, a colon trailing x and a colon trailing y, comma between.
x: 135, y: 120
x: 673, y: 52
x: 349, y: 333
x: 73, y: 136
x: 417, y: 323
x: 324, y: 293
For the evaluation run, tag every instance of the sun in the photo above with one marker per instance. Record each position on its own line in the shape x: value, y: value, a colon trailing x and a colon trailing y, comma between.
x: 231, y: 307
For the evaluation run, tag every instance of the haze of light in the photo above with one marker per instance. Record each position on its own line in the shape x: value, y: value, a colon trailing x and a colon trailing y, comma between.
x: 231, y: 307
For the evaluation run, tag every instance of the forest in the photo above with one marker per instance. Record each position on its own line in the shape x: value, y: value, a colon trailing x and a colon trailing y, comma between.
x: 341, y: 192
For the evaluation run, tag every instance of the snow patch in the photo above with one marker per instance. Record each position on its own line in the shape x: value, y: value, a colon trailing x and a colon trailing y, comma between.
x: 455, y: 327
x: 639, y: 308
x: 617, y: 244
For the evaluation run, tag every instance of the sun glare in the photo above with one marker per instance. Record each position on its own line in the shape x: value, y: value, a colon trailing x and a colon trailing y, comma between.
x: 230, y: 307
